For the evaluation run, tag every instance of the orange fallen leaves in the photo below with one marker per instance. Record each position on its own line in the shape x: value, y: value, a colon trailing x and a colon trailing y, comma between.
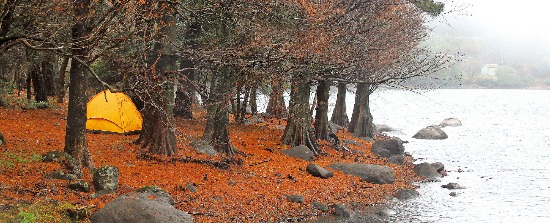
x: 251, y: 192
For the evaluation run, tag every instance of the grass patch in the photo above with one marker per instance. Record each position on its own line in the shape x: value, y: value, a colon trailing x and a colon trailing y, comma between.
x: 12, y: 159
x: 42, y: 211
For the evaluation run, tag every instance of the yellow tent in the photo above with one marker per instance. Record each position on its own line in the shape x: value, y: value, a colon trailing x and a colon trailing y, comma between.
x: 113, y: 112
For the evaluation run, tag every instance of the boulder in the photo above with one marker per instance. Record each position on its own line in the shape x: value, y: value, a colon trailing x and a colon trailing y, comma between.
x: 333, y: 127
x: 394, y: 145
x: 318, y: 171
x: 452, y: 122
x: 406, y: 194
x: 106, y: 178
x: 204, y: 148
x: 299, y: 152
x: 426, y: 170
x: 141, y: 206
x: 397, y: 159
x: 254, y: 119
x: 368, y: 172
x: 452, y: 186
x: 381, y: 152
x: 431, y: 132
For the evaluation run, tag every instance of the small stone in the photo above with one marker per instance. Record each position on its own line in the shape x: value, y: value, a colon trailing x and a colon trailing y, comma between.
x: 106, y: 178
x: 318, y: 171
x: 191, y: 188
x: 452, y: 186
x: 341, y: 210
x: 406, y: 194
x: 79, y: 185
x: 295, y: 198
x: 319, y: 206
x: 232, y: 183
x: 453, y: 194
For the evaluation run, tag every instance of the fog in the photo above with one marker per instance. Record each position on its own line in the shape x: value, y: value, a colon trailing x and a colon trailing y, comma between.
x: 512, y: 34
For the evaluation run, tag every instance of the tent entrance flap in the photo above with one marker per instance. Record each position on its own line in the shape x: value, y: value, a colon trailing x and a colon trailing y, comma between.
x: 113, y: 112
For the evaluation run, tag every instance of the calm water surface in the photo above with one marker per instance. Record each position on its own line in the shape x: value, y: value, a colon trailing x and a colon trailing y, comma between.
x: 503, y: 149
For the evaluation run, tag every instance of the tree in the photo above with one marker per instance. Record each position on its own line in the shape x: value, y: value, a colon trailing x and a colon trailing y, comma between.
x: 339, y: 113
x: 158, y: 131
x: 75, y: 137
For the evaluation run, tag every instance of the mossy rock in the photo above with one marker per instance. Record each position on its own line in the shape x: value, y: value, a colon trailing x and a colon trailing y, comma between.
x: 64, y: 159
x: 106, y: 178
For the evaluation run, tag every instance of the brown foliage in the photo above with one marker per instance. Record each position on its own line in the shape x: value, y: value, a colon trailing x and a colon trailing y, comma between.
x: 249, y: 192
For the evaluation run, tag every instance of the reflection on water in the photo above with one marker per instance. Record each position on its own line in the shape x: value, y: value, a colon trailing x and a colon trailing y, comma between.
x: 503, y: 149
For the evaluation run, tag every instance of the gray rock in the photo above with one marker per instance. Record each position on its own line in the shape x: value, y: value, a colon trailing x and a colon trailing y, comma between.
x: 106, y: 178
x: 452, y: 122
x: 299, y: 152
x: 348, y: 141
x: 141, y: 207
x: 295, y: 198
x: 453, y: 186
x: 439, y: 167
x: 406, y: 194
x: 453, y: 194
x: 79, y: 185
x: 204, y: 148
x: 381, y: 152
x: 255, y: 119
x: 319, y: 206
x: 341, y: 210
x: 431, y: 132
x: 318, y: 171
x: 397, y: 159
x: 159, y: 193
x: 368, y: 172
x: 334, y: 127
x: 191, y: 188
x: 426, y: 170
x: 60, y: 175
x: 394, y: 145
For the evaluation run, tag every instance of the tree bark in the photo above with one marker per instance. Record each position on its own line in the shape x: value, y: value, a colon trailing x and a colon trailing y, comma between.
x: 363, y: 126
x: 48, y: 75
x: 185, y: 91
x: 359, y: 93
x: 321, y: 111
x: 216, y: 133
x: 61, y: 81
x: 298, y: 130
x: 339, y: 114
x: 75, y: 136
x: 276, y: 107
x: 38, y: 82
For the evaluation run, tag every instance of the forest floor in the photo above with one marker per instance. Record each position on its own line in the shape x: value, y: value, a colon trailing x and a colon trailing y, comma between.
x: 251, y: 192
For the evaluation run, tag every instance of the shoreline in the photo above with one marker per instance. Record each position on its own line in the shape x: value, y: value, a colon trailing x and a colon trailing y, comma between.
x: 251, y: 192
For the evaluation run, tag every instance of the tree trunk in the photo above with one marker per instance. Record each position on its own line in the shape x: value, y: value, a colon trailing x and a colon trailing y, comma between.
x: 276, y: 107
x: 359, y: 93
x: 321, y: 111
x: 38, y: 83
x: 61, y: 81
x: 253, y: 100
x: 75, y: 134
x: 339, y: 114
x: 298, y: 129
x: 185, y: 91
x: 364, y: 126
x: 158, y: 130
x: 48, y: 75
x: 216, y: 133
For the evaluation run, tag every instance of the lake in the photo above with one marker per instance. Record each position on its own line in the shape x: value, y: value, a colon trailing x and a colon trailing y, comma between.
x: 502, y: 151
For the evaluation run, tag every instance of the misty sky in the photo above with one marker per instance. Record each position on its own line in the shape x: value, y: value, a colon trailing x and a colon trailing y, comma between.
x: 526, y: 19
